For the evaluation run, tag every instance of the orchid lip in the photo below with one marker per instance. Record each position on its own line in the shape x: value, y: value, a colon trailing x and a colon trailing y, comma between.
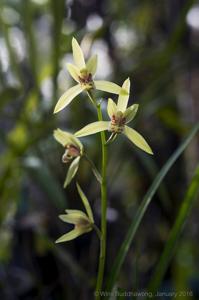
x: 86, y: 80
x: 71, y: 152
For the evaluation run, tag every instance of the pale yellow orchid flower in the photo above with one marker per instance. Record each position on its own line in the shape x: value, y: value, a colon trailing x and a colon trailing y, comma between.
x: 73, y: 152
x: 83, y: 222
x: 120, y: 115
x: 83, y: 73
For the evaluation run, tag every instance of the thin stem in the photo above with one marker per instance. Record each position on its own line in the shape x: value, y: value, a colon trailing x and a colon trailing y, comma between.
x: 94, y: 169
x: 103, y: 185
x: 103, y: 210
x: 97, y: 231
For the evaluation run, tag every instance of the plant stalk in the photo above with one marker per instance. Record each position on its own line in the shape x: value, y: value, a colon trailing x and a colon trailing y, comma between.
x: 103, y: 210
x: 103, y: 185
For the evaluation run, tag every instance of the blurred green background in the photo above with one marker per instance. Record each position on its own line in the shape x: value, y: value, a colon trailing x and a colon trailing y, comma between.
x: 156, y: 44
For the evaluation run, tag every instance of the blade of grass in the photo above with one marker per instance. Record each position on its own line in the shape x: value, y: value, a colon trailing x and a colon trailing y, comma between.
x: 28, y: 21
x: 58, y: 11
x: 142, y: 209
x: 187, y: 203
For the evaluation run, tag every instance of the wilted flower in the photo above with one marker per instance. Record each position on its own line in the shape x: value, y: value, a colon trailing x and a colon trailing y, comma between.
x: 83, y: 222
x: 83, y: 73
x: 73, y: 152
x: 120, y: 115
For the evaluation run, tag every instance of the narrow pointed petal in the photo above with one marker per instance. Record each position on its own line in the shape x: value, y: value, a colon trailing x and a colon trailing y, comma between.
x: 67, y: 97
x: 131, y: 112
x: 76, y: 211
x: 78, y: 55
x: 137, y: 139
x: 124, y: 96
x: 74, y: 218
x: 62, y: 137
x: 91, y: 65
x: 72, y: 170
x: 111, y: 108
x: 86, y: 203
x: 107, y: 86
x: 93, y: 128
x: 74, y: 71
x: 65, y: 138
x: 73, y: 234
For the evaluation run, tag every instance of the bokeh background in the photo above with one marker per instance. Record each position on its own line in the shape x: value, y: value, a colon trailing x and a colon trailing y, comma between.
x: 156, y: 44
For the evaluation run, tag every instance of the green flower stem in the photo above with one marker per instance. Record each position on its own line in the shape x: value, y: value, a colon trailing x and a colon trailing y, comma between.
x: 103, y: 209
x: 103, y: 185
x: 97, y: 231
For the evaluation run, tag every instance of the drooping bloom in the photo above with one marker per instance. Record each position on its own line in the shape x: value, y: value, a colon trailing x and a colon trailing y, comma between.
x: 119, y: 115
x: 83, y: 73
x: 83, y: 221
x: 73, y: 152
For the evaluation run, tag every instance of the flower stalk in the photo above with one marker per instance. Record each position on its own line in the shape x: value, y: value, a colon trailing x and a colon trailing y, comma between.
x: 102, y: 256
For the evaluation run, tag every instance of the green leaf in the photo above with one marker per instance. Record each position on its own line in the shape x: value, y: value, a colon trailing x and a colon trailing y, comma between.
x: 65, y: 138
x: 74, y: 217
x: 107, y: 86
x: 130, y: 113
x: 91, y: 65
x: 73, y: 234
x: 74, y: 71
x: 137, y: 139
x: 93, y: 128
x: 117, y: 264
x: 78, y: 55
x: 111, y: 108
x: 124, y: 96
x: 85, y: 202
x: 72, y: 170
x: 67, y: 97
x: 187, y: 203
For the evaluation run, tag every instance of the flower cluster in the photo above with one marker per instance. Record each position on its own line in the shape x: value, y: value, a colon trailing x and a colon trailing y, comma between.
x: 120, y: 115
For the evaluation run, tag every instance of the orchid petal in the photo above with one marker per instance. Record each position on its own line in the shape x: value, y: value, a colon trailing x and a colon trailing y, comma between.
x: 74, y: 218
x: 130, y: 112
x: 124, y: 96
x: 73, y: 234
x: 86, y: 203
x: 78, y: 55
x: 74, y: 71
x: 111, y: 108
x: 75, y: 211
x: 72, y: 170
x: 107, y: 86
x: 137, y: 139
x: 67, y: 97
x: 91, y: 65
x: 93, y: 128
x: 65, y: 138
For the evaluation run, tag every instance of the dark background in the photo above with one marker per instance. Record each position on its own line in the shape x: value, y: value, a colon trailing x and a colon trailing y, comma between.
x: 156, y: 44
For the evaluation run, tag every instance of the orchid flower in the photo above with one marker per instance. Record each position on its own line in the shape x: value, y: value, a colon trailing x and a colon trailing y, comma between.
x: 83, y: 222
x: 120, y: 115
x: 73, y: 152
x: 83, y: 74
